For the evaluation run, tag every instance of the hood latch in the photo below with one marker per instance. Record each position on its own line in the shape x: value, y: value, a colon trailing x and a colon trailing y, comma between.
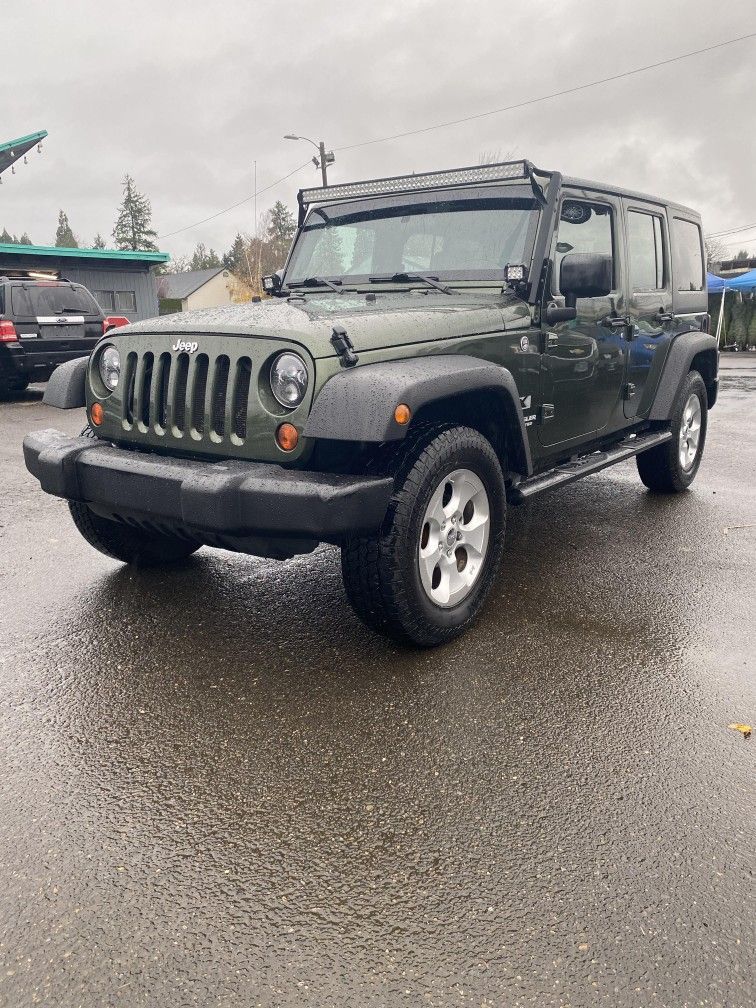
x: 344, y: 347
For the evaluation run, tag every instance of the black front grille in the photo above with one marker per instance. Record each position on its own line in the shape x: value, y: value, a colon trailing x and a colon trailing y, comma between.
x: 185, y: 394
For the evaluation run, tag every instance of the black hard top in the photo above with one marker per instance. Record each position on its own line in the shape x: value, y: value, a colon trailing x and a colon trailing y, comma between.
x: 611, y: 190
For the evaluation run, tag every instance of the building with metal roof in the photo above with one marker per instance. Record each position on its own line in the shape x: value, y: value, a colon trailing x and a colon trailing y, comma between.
x: 123, y: 283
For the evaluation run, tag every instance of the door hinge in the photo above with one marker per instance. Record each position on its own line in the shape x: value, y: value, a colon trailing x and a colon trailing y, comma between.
x: 547, y: 412
x: 628, y: 391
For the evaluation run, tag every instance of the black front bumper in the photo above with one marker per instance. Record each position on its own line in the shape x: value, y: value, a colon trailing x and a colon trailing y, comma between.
x: 231, y: 498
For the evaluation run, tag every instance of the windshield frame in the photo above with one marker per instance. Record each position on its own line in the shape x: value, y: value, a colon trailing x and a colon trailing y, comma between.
x: 451, y: 278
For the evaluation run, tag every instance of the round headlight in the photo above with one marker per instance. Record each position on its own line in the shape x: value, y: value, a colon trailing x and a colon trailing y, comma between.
x: 288, y: 379
x: 110, y: 367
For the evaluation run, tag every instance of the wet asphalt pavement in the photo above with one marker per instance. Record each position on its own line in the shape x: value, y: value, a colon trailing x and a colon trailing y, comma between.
x: 218, y: 788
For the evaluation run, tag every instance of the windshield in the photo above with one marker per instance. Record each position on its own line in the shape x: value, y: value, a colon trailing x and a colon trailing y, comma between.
x: 470, y: 236
x: 53, y: 299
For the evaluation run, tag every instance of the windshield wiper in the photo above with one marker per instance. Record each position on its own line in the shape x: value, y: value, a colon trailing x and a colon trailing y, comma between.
x: 317, y: 282
x: 411, y: 278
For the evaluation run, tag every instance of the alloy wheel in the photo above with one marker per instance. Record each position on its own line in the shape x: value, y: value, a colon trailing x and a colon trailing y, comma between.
x: 454, y: 538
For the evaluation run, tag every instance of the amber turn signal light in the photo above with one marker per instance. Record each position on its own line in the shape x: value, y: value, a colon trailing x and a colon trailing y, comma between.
x: 287, y: 437
x: 96, y: 414
x: 402, y: 414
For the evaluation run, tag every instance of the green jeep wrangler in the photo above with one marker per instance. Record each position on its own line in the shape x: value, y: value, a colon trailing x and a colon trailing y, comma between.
x: 436, y: 346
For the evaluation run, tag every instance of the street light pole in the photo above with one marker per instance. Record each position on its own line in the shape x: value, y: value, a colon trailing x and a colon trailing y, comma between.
x: 325, y: 158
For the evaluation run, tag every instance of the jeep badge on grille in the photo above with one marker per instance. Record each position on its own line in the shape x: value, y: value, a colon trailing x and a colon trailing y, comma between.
x: 181, y: 346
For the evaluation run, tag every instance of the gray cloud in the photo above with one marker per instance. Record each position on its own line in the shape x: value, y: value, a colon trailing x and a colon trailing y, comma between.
x: 186, y: 96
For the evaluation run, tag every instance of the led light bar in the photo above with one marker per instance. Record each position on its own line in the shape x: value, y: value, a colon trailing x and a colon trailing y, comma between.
x: 476, y: 175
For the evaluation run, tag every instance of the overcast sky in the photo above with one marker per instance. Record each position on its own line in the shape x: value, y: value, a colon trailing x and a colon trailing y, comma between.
x: 186, y: 95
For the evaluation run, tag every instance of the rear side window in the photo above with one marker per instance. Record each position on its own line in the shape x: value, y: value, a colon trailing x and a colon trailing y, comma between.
x: 688, y: 256
x: 645, y: 251
x: 33, y: 300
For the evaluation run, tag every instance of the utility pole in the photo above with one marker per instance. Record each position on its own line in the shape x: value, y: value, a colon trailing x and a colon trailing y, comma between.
x: 322, y: 162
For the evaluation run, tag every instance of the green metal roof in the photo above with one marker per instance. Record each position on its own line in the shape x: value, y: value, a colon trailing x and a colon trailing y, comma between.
x: 14, y: 149
x: 111, y: 255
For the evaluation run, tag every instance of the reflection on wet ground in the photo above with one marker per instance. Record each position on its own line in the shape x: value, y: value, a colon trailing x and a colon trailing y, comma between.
x: 218, y: 788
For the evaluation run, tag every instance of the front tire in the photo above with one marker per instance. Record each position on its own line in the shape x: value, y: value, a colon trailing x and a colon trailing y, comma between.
x: 672, y: 467
x: 129, y: 544
x: 424, y: 577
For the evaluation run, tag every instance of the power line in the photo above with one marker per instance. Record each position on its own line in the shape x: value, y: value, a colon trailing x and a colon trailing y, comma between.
x: 548, y: 97
x: 720, y: 234
x: 747, y: 240
x: 235, y: 205
x: 484, y: 115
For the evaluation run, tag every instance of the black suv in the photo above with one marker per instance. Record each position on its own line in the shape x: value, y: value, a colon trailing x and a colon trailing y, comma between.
x: 42, y: 324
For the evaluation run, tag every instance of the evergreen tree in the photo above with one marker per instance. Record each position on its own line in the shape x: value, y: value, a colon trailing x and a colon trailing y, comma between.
x: 739, y: 326
x: 99, y: 241
x: 132, y: 229
x: 64, y: 236
x: 6, y: 238
x: 24, y: 239
x: 751, y: 338
x: 281, y: 228
x: 235, y: 260
x: 204, y: 258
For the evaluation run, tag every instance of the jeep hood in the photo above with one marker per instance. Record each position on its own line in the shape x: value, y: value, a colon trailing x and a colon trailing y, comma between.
x: 392, y: 319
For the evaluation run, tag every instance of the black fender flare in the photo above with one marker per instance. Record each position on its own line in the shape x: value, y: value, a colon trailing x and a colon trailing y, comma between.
x: 358, y: 403
x: 66, y: 387
x: 684, y: 348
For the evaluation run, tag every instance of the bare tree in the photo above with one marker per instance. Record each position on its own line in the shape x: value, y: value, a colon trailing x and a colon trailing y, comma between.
x: 495, y: 156
x: 715, y: 250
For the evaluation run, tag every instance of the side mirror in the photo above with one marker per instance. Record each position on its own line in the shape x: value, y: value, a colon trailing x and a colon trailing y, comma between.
x: 271, y: 284
x: 585, y: 274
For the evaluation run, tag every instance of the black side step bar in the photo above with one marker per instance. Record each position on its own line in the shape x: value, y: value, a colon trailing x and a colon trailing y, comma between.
x: 568, y: 472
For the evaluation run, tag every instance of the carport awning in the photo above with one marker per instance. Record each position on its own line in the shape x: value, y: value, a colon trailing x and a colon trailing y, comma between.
x: 15, y: 149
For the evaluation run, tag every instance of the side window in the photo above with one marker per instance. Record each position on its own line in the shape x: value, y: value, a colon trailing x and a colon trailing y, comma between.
x: 645, y: 251
x: 125, y: 301
x: 105, y: 300
x: 584, y: 227
x: 688, y: 256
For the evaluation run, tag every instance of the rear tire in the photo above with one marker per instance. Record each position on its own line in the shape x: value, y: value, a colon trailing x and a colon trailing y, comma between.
x: 424, y: 577
x: 672, y: 466
x: 12, y: 386
x: 126, y: 543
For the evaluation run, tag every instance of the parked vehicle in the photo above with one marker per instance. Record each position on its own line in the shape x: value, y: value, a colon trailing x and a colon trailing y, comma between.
x: 437, y: 346
x: 42, y: 324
